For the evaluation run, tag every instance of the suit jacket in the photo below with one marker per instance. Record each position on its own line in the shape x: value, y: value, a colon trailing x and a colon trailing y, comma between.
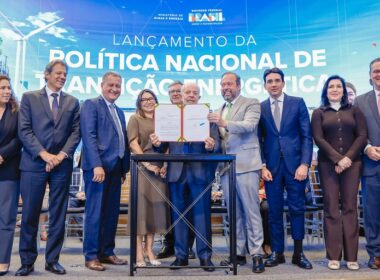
x: 201, y: 172
x: 368, y: 105
x: 38, y: 131
x: 339, y: 133
x: 10, y: 146
x: 294, y: 141
x: 100, y: 137
x: 241, y: 134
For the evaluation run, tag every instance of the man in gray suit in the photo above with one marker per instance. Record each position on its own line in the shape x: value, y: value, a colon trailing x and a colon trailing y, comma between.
x: 369, y: 104
x: 238, y: 120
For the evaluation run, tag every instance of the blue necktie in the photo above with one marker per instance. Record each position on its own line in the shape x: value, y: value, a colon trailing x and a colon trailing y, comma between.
x: 55, y: 107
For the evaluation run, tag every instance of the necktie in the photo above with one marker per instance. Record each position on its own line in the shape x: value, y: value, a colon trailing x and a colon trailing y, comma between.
x: 277, y: 114
x: 229, y: 110
x: 54, y: 106
x: 119, y: 130
x: 378, y: 103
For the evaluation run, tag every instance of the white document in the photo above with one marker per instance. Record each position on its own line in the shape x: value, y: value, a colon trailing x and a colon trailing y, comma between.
x: 167, y: 122
x: 196, y: 127
x: 173, y: 123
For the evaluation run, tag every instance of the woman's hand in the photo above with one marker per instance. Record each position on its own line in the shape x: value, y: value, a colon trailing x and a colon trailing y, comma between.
x: 163, y: 171
x: 153, y: 168
x: 344, y: 163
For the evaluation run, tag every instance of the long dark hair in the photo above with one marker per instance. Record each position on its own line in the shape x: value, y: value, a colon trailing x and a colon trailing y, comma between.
x: 324, y: 100
x: 138, y: 101
x: 12, y: 101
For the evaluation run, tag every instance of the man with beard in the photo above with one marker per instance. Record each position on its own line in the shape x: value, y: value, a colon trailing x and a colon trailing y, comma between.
x: 238, y: 121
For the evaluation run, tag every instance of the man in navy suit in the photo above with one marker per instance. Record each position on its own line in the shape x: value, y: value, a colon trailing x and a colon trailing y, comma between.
x: 105, y: 162
x: 369, y: 104
x: 49, y: 131
x: 192, y: 177
x: 287, y: 147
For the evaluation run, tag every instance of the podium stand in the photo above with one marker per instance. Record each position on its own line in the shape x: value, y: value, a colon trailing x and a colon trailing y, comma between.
x: 135, y: 159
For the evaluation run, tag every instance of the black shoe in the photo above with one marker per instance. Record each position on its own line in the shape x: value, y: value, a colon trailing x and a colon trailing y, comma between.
x: 3, y: 272
x: 275, y: 259
x: 257, y: 264
x: 301, y: 261
x: 55, y: 268
x: 207, y: 262
x: 240, y: 260
x: 372, y: 263
x: 25, y: 270
x: 191, y: 254
x: 165, y: 252
x: 179, y: 262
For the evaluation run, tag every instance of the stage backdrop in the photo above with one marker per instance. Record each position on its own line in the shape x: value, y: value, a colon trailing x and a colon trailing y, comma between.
x: 152, y: 42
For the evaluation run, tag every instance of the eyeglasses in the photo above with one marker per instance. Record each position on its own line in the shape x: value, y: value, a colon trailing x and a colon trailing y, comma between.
x: 150, y: 99
x: 174, y: 91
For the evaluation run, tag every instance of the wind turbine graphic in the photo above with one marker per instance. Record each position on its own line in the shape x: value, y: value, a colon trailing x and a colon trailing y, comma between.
x: 21, y: 49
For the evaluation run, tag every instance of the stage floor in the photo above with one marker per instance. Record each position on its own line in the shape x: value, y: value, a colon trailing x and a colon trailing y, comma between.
x: 72, y: 259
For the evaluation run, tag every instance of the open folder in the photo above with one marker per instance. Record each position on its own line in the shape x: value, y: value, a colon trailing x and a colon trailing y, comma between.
x: 181, y: 123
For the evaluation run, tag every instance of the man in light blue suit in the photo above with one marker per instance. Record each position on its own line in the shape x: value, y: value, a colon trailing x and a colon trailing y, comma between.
x: 238, y: 121
x: 287, y: 147
x: 105, y: 162
x: 369, y: 104
x: 49, y: 131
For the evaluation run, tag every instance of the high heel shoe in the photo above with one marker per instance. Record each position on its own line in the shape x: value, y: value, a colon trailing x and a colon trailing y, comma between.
x: 154, y: 262
x: 140, y: 263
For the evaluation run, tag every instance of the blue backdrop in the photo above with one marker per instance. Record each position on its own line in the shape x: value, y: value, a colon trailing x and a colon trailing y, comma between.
x: 153, y: 42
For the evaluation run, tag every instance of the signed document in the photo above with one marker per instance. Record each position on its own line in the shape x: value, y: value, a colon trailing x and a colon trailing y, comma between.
x: 188, y: 123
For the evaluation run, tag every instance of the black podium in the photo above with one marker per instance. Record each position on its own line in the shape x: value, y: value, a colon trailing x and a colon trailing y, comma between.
x: 135, y: 159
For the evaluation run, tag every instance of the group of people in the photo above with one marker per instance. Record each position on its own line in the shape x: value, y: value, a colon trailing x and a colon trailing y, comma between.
x: 272, y: 141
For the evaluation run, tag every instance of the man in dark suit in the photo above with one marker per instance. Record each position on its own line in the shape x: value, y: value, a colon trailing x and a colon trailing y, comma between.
x: 49, y: 131
x: 105, y: 162
x: 192, y: 177
x: 167, y: 249
x: 369, y: 104
x: 287, y: 147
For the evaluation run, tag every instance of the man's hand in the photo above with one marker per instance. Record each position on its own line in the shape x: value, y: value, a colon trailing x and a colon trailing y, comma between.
x: 80, y: 196
x: 50, y: 159
x: 266, y: 175
x: 155, y: 140
x: 1, y: 159
x: 216, y: 118
x: 209, y: 144
x: 301, y: 172
x: 373, y: 153
x: 99, y: 175
x: 61, y: 156
x: 344, y: 163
